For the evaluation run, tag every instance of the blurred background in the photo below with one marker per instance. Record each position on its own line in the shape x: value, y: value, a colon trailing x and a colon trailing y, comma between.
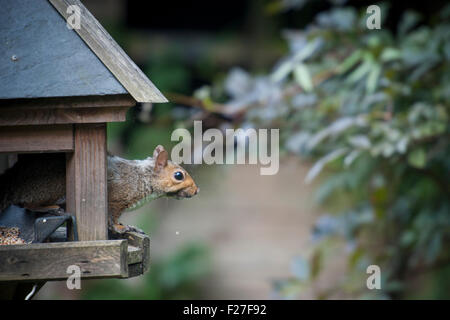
x: 364, y: 136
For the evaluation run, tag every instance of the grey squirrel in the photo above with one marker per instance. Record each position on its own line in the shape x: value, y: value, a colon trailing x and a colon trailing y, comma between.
x: 38, y: 180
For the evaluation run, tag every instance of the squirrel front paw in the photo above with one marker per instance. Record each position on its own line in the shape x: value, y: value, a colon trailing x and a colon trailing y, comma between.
x: 119, y: 228
x: 134, y: 229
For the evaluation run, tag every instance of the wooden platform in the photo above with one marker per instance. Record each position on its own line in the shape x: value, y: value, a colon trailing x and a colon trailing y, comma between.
x: 122, y: 258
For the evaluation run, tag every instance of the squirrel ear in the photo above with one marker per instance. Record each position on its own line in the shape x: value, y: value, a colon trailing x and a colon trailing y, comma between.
x: 161, y: 159
x: 158, y: 149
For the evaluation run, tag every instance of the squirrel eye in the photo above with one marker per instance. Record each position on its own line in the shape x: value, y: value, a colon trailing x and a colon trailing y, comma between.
x: 178, y: 175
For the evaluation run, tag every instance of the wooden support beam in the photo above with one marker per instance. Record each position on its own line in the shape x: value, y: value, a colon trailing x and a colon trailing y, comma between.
x: 86, y: 181
x: 57, y: 138
x: 35, y: 116
x: 138, y: 267
x: 134, y: 255
x: 49, y: 261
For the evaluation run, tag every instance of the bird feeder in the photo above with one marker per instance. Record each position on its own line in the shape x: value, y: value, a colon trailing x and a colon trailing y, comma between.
x: 59, y: 87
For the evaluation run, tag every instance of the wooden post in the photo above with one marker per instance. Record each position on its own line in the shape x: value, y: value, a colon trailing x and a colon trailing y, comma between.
x: 86, y: 181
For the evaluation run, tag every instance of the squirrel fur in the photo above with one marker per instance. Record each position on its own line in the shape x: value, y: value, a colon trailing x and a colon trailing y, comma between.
x: 38, y: 180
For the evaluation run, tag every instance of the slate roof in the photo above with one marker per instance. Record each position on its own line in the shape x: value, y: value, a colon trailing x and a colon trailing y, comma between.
x: 41, y: 57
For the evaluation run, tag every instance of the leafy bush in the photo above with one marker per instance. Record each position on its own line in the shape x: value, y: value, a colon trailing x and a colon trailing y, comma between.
x: 372, y: 107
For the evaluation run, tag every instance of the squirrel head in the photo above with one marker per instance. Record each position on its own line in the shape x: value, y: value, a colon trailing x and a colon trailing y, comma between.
x: 170, y: 178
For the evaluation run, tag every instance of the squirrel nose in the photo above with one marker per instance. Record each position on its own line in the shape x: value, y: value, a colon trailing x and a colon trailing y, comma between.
x: 197, y: 190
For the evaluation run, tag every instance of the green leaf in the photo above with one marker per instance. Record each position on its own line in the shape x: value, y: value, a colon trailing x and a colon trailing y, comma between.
x: 300, y: 268
x: 348, y: 160
x: 355, y: 257
x: 417, y: 158
x: 303, y: 77
x: 348, y: 63
x: 372, y: 79
x: 320, y: 164
x: 282, y: 71
x: 316, y: 264
x: 390, y: 54
x: 409, y: 20
x: 307, y: 50
x: 360, y: 72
